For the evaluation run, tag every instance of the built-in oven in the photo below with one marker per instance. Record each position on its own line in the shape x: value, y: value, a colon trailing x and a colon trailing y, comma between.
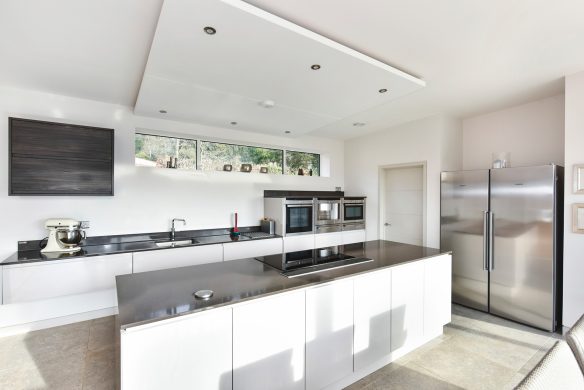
x: 299, y: 216
x: 353, y: 210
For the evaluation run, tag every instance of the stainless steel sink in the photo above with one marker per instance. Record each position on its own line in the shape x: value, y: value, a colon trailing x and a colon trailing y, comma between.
x: 172, y: 244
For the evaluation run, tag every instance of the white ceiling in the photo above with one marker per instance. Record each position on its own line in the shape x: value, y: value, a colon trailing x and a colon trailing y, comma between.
x: 475, y: 55
x: 255, y: 57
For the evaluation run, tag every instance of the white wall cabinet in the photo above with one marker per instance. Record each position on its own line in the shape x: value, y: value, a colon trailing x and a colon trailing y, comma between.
x: 329, y: 333
x: 250, y: 249
x: 353, y: 236
x: 39, y: 281
x: 300, y: 242
x: 328, y: 239
x: 177, y: 257
x: 437, y: 294
x: 372, y: 302
x: 190, y: 352
x: 268, y: 343
x: 407, y: 306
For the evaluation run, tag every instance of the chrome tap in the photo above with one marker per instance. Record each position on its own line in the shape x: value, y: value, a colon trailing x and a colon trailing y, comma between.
x: 173, y: 230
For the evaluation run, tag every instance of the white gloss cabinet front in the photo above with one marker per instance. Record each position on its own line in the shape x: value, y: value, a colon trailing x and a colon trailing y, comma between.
x: 187, y: 352
x: 329, y: 333
x: 268, y: 343
x: 177, y: 257
x: 251, y: 249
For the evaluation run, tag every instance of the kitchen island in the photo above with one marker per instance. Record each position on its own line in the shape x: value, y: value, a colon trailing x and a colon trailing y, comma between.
x: 261, y: 330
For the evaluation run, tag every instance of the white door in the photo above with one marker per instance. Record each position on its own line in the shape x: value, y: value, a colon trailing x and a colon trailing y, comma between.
x: 268, y: 343
x: 329, y: 334
x: 404, y: 205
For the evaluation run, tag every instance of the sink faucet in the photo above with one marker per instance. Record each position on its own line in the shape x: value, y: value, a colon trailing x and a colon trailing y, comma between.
x: 173, y: 230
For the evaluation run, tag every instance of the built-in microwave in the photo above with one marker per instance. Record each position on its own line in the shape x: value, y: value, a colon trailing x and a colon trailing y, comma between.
x: 328, y: 211
x: 299, y: 216
x: 353, y: 210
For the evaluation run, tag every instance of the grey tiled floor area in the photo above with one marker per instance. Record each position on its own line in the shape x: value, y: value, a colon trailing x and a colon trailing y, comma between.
x: 477, y: 351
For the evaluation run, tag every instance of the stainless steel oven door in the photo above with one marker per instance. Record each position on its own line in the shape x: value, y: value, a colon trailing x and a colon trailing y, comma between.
x: 353, y: 211
x: 299, y: 217
x: 328, y: 212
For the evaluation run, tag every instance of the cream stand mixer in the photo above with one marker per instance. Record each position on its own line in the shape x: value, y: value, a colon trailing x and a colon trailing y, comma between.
x: 65, y: 234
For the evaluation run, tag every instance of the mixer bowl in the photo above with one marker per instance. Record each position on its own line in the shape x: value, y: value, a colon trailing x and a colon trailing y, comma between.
x: 70, y: 238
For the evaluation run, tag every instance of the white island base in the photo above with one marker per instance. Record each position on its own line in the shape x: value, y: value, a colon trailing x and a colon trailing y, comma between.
x: 320, y: 337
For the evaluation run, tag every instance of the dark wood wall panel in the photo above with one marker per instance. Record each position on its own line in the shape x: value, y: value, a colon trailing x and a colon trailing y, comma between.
x: 60, y: 159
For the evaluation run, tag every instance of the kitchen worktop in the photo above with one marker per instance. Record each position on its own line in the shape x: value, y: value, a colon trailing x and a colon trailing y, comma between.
x: 157, y: 295
x: 108, y: 245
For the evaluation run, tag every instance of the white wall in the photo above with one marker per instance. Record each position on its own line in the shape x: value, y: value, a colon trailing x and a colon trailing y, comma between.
x: 146, y: 199
x: 434, y: 140
x: 573, y: 243
x: 533, y: 133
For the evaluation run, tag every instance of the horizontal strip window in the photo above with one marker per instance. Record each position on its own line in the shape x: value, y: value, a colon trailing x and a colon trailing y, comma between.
x: 190, y: 154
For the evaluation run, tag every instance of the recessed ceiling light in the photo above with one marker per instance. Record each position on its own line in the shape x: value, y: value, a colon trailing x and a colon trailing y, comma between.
x: 315, y: 67
x: 162, y: 111
x: 234, y: 123
x: 383, y: 90
x: 267, y: 103
x: 287, y: 132
x: 210, y: 30
x: 359, y: 124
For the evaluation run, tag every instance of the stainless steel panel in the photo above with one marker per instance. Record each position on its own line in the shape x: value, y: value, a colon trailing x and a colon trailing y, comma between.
x: 522, y: 267
x: 464, y: 201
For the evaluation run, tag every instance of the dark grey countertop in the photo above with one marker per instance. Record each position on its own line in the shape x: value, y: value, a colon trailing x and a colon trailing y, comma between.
x: 157, y: 295
x: 109, y: 245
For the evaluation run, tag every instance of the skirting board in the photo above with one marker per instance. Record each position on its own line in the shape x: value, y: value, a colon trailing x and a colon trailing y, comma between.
x: 58, y: 321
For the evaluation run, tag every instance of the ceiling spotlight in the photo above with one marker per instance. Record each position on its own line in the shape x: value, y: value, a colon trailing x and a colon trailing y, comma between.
x: 383, y: 90
x: 287, y: 132
x: 162, y: 111
x: 210, y: 30
x: 267, y: 103
x: 358, y: 124
x: 234, y: 123
x: 315, y: 67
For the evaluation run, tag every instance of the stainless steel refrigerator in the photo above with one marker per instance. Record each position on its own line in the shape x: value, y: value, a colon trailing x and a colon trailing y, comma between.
x: 505, y: 229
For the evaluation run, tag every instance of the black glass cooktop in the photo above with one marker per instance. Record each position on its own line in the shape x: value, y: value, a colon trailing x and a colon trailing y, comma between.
x: 309, y: 261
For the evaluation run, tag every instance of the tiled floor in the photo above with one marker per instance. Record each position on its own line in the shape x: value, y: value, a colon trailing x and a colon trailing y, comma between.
x: 477, y: 351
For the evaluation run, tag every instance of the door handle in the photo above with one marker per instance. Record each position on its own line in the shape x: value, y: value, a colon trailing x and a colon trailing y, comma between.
x: 387, y: 224
x: 485, y: 240
x: 492, y: 241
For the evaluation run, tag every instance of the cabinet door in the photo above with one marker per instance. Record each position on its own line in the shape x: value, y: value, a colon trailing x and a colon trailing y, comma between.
x: 372, y: 318
x: 36, y: 281
x: 190, y: 352
x: 329, y: 334
x: 437, y: 294
x: 247, y: 249
x: 298, y: 243
x: 328, y: 239
x: 353, y: 236
x: 407, y: 306
x: 177, y: 257
x: 268, y: 343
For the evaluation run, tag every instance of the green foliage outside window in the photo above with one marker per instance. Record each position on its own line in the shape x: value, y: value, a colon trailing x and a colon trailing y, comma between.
x: 215, y: 155
x: 154, y: 150
x: 296, y: 161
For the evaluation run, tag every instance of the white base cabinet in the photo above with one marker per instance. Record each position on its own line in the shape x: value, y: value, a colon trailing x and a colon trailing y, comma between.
x: 329, y: 333
x: 251, y: 249
x: 407, y: 305
x: 268, y: 343
x: 437, y: 293
x: 322, y: 240
x: 372, y: 318
x: 177, y: 257
x: 190, y: 352
x: 300, y: 242
x: 353, y: 236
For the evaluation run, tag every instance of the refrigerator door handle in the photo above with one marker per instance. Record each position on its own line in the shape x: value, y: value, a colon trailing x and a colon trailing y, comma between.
x: 485, y: 240
x: 492, y: 241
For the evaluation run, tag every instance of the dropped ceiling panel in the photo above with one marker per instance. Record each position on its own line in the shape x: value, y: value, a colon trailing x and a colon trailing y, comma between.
x: 254, y: 57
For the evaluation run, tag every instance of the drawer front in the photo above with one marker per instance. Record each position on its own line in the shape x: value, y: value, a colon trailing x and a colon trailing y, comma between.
x: 177, y: 257
x: 328, y: 239
x: 30, y: 282
x: 353, y: 236
x: 298, y: 243
x: 250, y: 249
